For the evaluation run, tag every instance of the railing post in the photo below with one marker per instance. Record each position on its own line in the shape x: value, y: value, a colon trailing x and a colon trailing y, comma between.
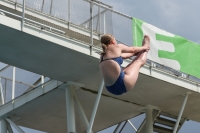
x: 23, y: 15
x: 91, y: 27
x: 69, y: 13
x: 98, y: 20
x: 42, y: 6
x: 104, y: 23
x: 51, y: 7
x: 13, y: 83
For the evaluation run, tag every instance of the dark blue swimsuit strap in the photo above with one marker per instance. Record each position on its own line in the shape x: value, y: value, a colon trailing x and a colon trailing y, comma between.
x: 108, y: 59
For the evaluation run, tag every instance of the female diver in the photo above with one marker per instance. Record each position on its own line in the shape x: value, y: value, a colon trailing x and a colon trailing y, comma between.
x: 116, y: 79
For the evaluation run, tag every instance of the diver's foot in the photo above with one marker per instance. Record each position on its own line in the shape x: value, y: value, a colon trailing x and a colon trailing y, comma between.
x: 146, y: 41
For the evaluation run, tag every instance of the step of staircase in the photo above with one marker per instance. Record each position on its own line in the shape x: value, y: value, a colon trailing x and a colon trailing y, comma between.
x: 160, y: 129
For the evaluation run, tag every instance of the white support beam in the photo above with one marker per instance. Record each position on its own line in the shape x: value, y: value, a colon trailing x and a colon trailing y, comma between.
x: 42, y: 80
x: 9, y: 128
x: 2, y: 93
x: 15, y: 126
x: 132, y: 125
x: 95, y: 106
x: 81, y: 111
x: 181, y: 112
x: 147, y: 126
x: 71, y: 128
x: 149, y: 120
x: 3, y: 126
x: 13, y: 83
x: 69, y: 86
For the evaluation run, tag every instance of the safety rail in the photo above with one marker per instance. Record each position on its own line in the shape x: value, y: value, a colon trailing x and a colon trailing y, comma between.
x: 25, y: 92
x: 34, y: 22
x: 6, y: 89
x: 101, y: 16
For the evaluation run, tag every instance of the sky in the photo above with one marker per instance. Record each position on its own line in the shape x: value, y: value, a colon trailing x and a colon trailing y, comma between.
x: 180, y: 17
x: 175, y: 16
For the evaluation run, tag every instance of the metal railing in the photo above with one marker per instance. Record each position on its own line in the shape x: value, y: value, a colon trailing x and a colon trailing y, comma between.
x: 94, y: 16
x: 6, y: 85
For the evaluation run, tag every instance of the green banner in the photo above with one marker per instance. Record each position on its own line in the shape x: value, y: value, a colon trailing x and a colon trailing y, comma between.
x: 169, y: 49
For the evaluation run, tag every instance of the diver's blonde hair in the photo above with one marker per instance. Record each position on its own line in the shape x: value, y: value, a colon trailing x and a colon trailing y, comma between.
x: 105, y: 41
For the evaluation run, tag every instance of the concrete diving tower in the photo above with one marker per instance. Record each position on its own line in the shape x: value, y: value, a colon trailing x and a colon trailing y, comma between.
x: 73, y: 64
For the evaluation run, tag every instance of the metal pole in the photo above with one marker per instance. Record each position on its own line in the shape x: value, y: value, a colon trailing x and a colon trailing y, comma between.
x: 97, y: 27
x: 95, y: 106
x: 99, y: 21
x: 1, y: 91
x: 80, y: 110
x: 5, y: 90
x: 15, y: 126
x: 51, y: 7
x: 23, y: 15
x: 3, y: 126
x: 68, y: 13
x: 42, y: 6
x: 70, y: 110
x: 117, y: 127
x: 91, y: 27
x: 13, y: 84
x: 42, y: 80
x: 132, y: 126
x: 181, y: 112
x: 104, y: 23
x: 9, y: 128
x: 123, y: 126
x: 149, y: 120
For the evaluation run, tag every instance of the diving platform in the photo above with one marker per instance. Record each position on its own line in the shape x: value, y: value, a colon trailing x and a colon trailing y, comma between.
x: 65, y: 54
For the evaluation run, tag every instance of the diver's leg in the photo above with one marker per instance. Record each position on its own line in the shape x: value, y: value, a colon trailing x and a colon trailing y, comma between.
x: 132, y: 70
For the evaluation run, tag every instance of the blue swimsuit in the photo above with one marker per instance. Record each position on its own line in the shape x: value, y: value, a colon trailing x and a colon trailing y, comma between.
x: 118, y: 87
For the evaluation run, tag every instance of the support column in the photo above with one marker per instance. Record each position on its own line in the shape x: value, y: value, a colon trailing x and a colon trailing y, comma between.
x: 3, y: 126
x: 9, y: 128
x: 81, y: 111
x: 95, y: 106
x: 13, y: 84
x: 70, y: 110
x: 149, y: 120
x: 42, y: 81
x: 1, y: 93
x: 181, y: 112
x: 15, y: 126
x: 151, y: 113
x: 69, y: 86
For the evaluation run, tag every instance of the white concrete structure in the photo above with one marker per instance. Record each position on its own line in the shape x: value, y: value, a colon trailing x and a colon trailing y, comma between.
x: 56, y: 54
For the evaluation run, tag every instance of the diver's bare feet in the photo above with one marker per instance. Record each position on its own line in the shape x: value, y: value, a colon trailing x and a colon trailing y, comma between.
x: 146, y: 42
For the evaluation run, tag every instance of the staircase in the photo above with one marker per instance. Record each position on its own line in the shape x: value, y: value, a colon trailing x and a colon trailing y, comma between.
x: 163, y: 123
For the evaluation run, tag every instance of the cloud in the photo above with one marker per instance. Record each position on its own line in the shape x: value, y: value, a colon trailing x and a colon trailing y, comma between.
x: 178, y: 17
